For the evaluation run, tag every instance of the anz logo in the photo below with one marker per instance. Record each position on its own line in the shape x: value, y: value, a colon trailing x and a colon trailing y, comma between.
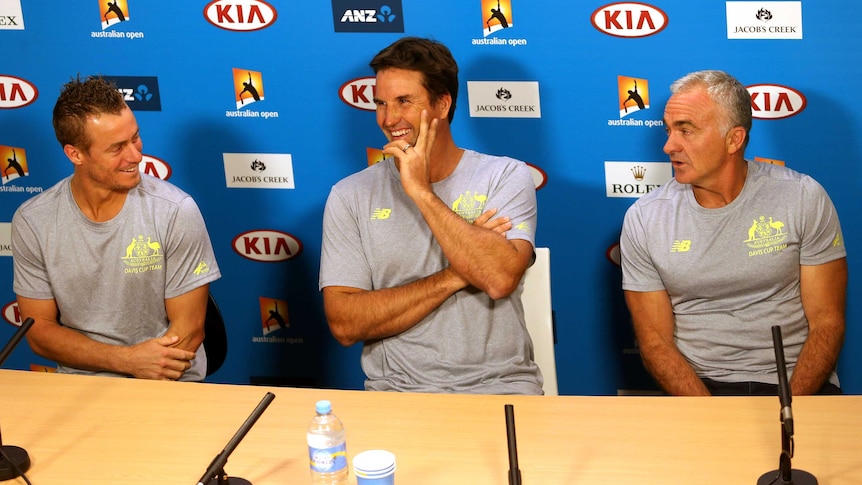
x: 141, y: 93
x: 385, y: 15
x: 365, y: 16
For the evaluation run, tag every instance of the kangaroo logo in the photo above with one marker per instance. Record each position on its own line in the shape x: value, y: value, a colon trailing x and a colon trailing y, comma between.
x: 765, y: 232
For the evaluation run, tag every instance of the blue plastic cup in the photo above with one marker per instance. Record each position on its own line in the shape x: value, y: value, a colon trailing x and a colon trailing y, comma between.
x: 374, y: 467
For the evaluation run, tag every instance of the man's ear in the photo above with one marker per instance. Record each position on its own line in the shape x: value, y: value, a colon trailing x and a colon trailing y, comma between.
x: 735, y: 139
x: 444, y: 103
x: 73, y: 153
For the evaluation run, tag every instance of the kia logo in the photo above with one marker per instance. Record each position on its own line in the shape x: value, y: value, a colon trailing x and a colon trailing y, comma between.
x: 240, y: 15
x: 268, y: 246
x: 774, y: 101
x: 613, y: 254
x: 359, y: 93
x: 629, y: 19
x: 11, y: 313
x: 540, y: 178
x: 16, y: 92
x: 151, y: 165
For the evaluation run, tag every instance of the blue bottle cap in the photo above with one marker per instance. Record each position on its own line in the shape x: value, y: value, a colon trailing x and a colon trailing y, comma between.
x: 323, y: 407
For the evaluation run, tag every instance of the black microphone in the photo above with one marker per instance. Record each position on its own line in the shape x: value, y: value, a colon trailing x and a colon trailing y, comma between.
x: 785, y: 475
x: 215, y: 471
x: 14, y: 461
x: 784, y: 396
x: 514, y: 471
x: 19, y: 334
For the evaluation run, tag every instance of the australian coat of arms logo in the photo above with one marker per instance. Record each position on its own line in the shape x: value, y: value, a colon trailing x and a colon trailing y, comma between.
x: 141, y: 252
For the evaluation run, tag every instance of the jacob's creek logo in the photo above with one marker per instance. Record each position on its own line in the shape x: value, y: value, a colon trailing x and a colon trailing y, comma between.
x: 469, y: 205
x: 16, y: 92
x: 140, y: 92
x: 114, y: 14
x: 635, y: 179
x: 359, y: 93
x: 265, y: 245
x: 504, y: 99
x: 6, y: 239
x: 774, y: 101
x: 258, y: 170
x: 248, y: 90
x: 143, y: 255
x: 633, y: 97
x: 764, y: 20
x: 497, y: 18
x: 766, y: 236
x: 11, y: 17
x: 155, y: 167
x: 367, y: 16
x: 240, y: 15
x: 629, y: 19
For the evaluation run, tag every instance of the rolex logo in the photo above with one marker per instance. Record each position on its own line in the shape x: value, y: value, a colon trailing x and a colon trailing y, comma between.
x: 639, y: 172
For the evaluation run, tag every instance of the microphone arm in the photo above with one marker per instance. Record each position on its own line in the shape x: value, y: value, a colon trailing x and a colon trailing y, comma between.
x: 14, y: 460
x: 514, y: 471
x: 19, y: 334
x: 216, y: 467
x: 784, y: 396
x: 785, y: 475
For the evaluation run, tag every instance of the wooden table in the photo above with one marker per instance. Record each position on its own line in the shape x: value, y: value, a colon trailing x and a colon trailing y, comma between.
x: 95, y: 430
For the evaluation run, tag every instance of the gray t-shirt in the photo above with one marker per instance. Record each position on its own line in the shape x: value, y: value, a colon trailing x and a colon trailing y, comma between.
x: 374, y: 237
x: 110, y: 279
x: 733, y: 272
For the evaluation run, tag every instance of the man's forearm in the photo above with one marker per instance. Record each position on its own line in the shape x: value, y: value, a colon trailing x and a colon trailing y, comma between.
x: 356, y: 316
x: 487, y: 260
x: 672, y: 372
x: 818, y: 358
x: 73, y: 349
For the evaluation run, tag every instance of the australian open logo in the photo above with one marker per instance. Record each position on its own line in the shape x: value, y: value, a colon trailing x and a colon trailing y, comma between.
x: 766, y: 233
x: 143, y: 255
x: 469, y: 205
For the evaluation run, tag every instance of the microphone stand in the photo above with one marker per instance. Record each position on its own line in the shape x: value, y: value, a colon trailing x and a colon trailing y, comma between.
x: 14, y: 461
x: 215, y: 474
x: 785, y: 475
x: 514, y: 471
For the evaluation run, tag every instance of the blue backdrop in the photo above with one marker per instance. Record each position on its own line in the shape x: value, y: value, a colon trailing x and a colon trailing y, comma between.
x: 261, y: 169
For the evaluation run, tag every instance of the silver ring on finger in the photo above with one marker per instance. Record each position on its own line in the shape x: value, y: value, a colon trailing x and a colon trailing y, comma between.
x: 406, y: 147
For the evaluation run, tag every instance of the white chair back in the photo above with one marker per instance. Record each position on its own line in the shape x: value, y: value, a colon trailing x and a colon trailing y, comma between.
x: 536, y: 299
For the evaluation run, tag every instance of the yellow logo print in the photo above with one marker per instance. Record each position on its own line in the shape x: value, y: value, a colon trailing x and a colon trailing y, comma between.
x: 469, y: 205
x: 680, y: 245
x: 765, y: 233
x: 381, y: 214
x: 142, y: 256
x: 203, y: 268
x: 837, y: 241
x: 522, y: 226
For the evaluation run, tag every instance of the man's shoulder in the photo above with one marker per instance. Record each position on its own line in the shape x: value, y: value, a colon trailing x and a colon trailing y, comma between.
x: 161, y: 189
x: 670, y: 192
x: 485, y: 158
x: 361, y: 178
x: 47, y: 198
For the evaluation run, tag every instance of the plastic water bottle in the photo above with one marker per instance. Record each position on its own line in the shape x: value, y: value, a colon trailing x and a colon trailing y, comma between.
x: 327, y: 447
